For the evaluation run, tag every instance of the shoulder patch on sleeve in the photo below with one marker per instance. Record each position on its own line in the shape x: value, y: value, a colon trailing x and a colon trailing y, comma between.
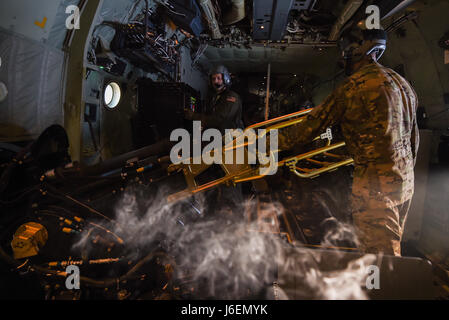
x: 231, y: 99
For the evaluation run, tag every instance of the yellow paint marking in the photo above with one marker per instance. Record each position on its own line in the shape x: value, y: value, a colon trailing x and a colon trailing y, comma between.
x: 41, y: 24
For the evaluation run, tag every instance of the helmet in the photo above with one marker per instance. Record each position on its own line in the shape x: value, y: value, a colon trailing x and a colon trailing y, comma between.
x: 358, y: 41
x: 225, y: 73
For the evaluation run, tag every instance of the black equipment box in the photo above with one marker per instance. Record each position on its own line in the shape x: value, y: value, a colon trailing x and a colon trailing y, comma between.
x: 161, y: 108
x: 405, y: 278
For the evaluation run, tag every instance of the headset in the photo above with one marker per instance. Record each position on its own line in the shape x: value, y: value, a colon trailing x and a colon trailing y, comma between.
x: 357, y: 42
x: 225, y: 73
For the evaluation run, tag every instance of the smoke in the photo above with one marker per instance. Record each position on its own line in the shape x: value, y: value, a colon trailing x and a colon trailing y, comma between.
x: 230, y: 260
x: 315, y: 277
x: 226, y: 259
x: 323, y: 274
x: 338, y: 233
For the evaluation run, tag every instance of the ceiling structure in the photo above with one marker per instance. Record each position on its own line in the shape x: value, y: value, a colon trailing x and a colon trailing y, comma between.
x: 288, y: 60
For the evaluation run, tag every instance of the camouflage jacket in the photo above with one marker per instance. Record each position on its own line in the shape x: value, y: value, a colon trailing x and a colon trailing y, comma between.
x: 223, y: 111
x: 376, y: 109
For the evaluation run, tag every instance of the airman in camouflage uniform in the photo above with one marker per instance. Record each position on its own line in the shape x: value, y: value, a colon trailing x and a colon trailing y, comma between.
x: 223, y: 111
x: 375, y: 108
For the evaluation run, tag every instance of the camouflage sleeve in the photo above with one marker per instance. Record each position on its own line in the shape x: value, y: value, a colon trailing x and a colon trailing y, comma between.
x: 325, y: 115
x: 415, y: 133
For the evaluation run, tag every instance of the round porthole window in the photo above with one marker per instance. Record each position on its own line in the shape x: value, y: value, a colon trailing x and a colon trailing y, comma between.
x: 112, y: 94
